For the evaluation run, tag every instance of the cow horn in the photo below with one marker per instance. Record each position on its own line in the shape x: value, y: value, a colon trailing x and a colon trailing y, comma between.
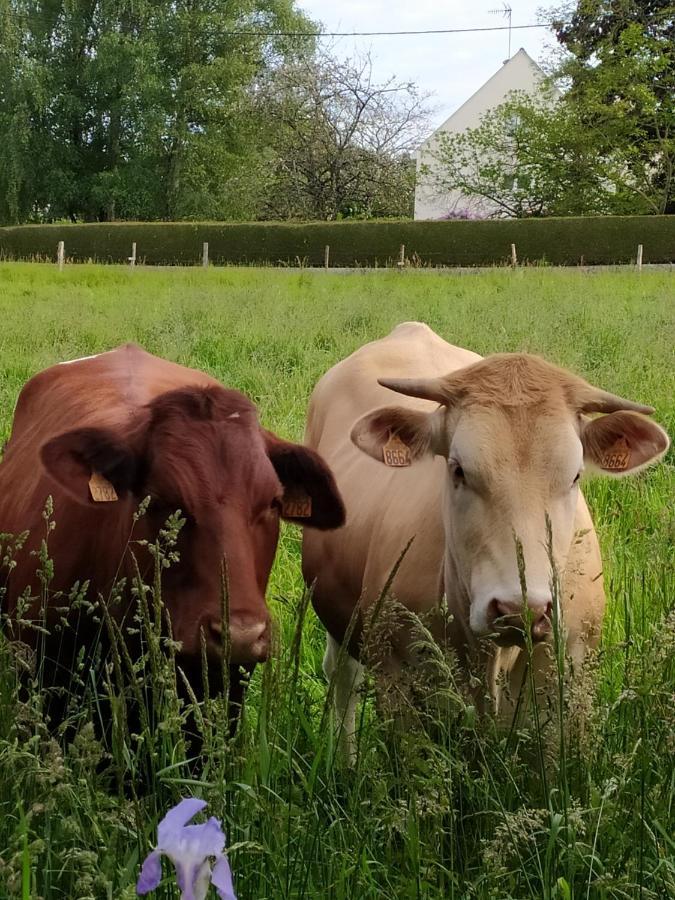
x: 425, y: 388
x: 604, y: 402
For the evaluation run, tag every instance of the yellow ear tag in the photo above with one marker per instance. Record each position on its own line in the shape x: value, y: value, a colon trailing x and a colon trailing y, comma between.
x: 100, y: 489
x: 396, y: 453
x: 296, y: 505
x: 617, y: 457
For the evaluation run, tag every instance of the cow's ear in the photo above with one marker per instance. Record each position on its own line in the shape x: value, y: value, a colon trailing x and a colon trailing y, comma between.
x: 88, y: 462
x: 622, y: 443
x: 311, y: 496
x: 397, y: 436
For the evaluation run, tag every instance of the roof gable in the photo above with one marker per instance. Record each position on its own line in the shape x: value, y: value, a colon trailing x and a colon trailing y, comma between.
x: 520, y: 72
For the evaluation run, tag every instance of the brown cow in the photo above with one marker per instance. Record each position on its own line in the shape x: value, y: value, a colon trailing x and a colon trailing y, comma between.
x: 148, y: 427
x: 486, y: 449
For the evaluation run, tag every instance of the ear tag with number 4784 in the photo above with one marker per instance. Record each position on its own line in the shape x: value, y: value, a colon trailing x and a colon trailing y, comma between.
x: 296, y: 505
x: 396, y: 453
x: 100, y: 489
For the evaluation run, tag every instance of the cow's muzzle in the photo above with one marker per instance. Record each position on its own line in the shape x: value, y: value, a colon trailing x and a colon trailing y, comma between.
x: 249, y: 640
x: 508, y: 621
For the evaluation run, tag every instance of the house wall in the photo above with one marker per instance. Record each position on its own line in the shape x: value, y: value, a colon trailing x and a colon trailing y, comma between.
x: 520, y: 73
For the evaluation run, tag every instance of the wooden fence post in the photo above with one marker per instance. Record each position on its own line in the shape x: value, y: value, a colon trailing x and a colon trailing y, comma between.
x: 514, y: 256
x: 639, y: 258
x: 205, y: 254
x: 60, y: 254
x: 132, y: 258
x: 401, y: 257
x: 326, y: 256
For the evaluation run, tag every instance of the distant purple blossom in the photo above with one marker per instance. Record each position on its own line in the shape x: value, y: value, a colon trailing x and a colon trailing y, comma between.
x: 462, y: 212
x: 190, y: 848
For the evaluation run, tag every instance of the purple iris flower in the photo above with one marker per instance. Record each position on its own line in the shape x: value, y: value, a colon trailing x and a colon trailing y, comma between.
x: 190, y: 848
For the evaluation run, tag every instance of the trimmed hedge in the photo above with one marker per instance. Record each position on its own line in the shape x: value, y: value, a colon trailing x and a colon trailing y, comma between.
x: 595, y: 240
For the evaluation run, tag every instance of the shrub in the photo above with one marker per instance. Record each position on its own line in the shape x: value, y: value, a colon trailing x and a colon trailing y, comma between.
x: 568, y: 241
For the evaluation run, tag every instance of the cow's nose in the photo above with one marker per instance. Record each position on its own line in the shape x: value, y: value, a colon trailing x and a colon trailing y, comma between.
x: 508, y: 614
x: 249, y: 640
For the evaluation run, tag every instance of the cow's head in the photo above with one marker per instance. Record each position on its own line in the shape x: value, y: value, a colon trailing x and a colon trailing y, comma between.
x: 202, y: 450
x: 516, y: 434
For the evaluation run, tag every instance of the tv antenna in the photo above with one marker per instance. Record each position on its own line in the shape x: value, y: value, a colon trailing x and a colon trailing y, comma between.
x: 506, y: 12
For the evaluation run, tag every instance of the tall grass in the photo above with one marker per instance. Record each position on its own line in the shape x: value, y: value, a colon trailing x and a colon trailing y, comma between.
x: 445, y: 806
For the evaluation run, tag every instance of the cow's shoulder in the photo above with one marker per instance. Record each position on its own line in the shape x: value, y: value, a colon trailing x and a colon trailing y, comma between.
x: 419, y: 345
x: 410, y: 349
x: 127, y: 376
x: 351, y: 387
x: 67, y: 377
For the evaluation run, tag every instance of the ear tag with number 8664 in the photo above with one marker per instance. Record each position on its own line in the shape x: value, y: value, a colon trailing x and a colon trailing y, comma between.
x: 396, y: 453
x: 617, y: 457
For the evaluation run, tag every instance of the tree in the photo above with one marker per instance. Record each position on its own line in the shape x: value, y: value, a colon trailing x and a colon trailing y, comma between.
x: 16, y: 86
x: 528, y: 157
x: 585, y: 27
x: 340, y: 144
x: 120, y: 109
x: 606, y: 146
x: 185, y: 109
x: 620, y: 67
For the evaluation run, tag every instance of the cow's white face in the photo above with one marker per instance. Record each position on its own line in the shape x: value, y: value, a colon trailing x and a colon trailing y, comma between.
x: 508, y: 471
x: 515, y: 439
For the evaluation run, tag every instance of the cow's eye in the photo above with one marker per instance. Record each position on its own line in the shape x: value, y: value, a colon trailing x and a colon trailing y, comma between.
x: 457, y: 471
x: 576, y: 478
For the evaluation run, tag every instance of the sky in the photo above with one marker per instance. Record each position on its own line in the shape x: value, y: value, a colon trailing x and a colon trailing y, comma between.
x: 451, y: 66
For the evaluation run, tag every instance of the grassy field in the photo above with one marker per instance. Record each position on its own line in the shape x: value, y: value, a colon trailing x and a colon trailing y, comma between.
x: 450, y: 809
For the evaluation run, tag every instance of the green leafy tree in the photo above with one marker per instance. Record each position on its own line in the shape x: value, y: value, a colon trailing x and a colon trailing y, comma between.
x: 528, y: 157
x: 606, y: 146
x: 119, y: 109
x: 19, y: 83
x: 620, y: 68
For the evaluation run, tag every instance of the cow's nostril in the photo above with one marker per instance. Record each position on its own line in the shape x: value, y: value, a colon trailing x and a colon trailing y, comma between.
x: 213, y: 635
x: 541, y: 623
x: 500, y: 609
x: 261, y: 646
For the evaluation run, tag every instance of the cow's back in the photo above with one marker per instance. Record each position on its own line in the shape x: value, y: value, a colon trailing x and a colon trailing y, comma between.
x: 386, y: 507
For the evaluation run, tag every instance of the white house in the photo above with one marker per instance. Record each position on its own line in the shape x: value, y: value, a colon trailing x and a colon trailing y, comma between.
x: 520, y: 73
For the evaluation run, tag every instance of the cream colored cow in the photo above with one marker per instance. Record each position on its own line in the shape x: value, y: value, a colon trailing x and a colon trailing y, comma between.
x: 494, y: 446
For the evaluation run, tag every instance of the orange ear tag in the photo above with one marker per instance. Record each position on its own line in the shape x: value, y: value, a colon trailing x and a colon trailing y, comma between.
x: 296, y: 505
x: 396, y: 453
x: 617, y: 457
x: 100, y: 489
